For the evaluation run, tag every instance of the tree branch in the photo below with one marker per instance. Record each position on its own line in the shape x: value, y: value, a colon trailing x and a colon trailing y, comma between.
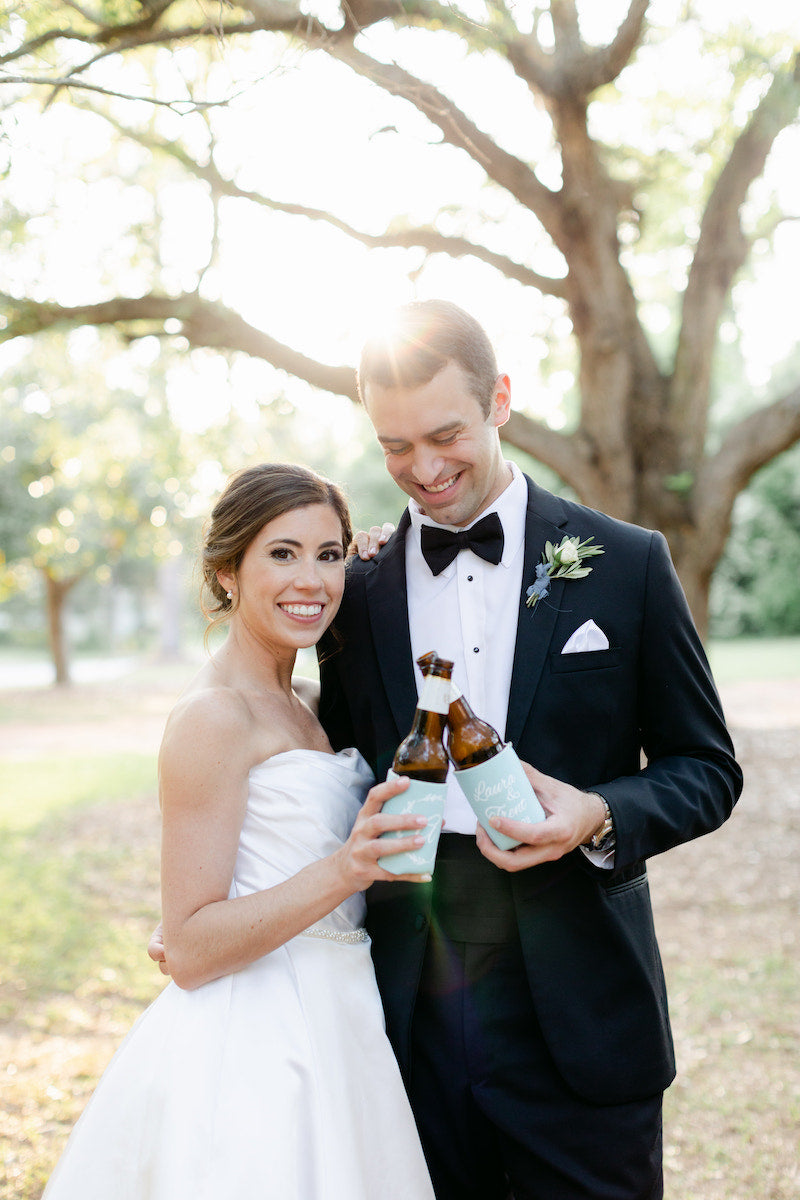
x: 42, y: 39
x: 754, y: 441
x: 71, y: 81
x: 747, y: 447
x: 563, y: 452
x: 721, y: 249
x: 603, y: 65
x: 459, y: 247
x: 212, y: 324
x: 23, y: 317
x: 103, y: 33
x: 283, y: 16
x: 428, y: 239
x: 213, y: 254
x: 573, y: 69
x: 202, y: 323
x: 566, y: 32
x: 506, y: 169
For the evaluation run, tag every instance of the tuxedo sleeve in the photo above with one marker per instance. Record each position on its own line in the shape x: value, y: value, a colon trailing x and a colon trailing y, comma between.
x: 690, y: 780
x: 334, y: 711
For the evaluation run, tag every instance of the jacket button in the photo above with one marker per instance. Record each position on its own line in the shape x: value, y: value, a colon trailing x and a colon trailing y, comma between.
x: 420, y: 921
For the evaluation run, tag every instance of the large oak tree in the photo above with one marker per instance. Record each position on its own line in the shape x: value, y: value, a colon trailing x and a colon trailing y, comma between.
x: 640, y: 447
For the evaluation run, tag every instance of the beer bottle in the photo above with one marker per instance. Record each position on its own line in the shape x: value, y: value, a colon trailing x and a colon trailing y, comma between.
x: 423, y: 758
x: 489, y: 772
x: 472, y: 741
x: 422, y: 754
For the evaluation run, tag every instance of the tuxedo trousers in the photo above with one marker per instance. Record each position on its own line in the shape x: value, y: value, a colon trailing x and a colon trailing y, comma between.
x: 495, y: 1117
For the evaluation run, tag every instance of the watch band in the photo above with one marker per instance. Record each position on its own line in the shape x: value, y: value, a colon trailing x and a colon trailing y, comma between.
x: 604, y: 837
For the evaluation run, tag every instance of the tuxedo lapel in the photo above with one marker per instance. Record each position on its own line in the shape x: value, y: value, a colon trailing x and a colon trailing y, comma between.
x: 544, y: 520
x: 387, y: 606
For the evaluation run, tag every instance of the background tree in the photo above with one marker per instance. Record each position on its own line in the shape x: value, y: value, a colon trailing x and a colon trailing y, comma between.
x: 617, y: 200
x: 88, y: 481
x: 109, y: 463
x: 756, y: 588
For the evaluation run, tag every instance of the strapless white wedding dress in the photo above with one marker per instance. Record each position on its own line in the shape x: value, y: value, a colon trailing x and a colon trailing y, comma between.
x: 276, y: 1082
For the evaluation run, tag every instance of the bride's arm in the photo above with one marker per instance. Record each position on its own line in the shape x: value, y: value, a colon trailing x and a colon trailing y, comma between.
x: 203, y: 780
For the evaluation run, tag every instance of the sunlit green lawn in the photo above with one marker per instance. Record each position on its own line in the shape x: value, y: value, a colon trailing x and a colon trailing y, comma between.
x: 34, y: 790
x: 78, y: 898
x: 65, y: 867
x: 755, y: 659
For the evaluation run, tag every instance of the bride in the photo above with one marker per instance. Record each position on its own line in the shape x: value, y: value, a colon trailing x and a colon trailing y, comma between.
x: 262, y: 1072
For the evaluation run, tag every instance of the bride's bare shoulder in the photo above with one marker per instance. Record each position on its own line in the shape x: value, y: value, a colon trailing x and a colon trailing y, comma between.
x: 210, y: 719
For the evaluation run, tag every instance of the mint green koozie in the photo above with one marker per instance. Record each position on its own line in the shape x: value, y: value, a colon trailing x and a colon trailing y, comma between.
x: 500, y: 788
x: 421, y: 800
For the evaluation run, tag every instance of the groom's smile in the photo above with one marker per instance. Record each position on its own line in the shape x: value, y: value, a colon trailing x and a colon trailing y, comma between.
x: 435, y: 489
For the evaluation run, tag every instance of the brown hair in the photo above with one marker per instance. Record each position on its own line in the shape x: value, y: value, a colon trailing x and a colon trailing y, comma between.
x: 251, y: 499
x: 424, y: 337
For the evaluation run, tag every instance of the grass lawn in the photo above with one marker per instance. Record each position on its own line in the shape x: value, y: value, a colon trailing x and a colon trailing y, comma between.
x: 755, y: 659
x: 47, y: 787
x: 78, y: 899
x: 60, y: 862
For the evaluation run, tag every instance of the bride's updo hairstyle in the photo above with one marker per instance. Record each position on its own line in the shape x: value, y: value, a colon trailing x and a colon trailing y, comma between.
x: 251, y: 499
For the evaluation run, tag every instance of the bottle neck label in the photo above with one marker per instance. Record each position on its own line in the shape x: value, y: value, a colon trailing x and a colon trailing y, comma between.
x: 455, y: 692
x: 435, y: 695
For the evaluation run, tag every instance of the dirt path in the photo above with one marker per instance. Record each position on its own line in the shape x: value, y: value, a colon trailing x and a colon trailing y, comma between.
x: 769, y: 705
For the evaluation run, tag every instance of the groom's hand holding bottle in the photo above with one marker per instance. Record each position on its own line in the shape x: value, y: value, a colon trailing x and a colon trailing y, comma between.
x: 573, y: 818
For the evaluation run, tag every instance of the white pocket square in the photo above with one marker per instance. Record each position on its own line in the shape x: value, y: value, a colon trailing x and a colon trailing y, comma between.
x: 588, y: 637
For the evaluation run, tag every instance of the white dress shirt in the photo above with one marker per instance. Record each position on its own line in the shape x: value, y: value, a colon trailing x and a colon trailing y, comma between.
x: 467, y: 612
x: 463, y: 611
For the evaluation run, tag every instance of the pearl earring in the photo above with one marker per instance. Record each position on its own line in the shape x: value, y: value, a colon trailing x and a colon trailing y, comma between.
x: 229, y: 595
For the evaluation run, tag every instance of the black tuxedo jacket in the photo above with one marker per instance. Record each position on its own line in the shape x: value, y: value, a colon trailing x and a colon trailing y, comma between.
x: 640, y: 723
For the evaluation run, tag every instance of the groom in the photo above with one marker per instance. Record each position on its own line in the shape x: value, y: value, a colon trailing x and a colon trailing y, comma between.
x: 523, y: 989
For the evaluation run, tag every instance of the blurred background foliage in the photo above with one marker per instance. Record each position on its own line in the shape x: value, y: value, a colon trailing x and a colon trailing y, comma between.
x: 303, y: 198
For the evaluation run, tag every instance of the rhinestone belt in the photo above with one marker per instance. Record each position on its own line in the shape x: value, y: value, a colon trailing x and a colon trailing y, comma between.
x: 348, y: 936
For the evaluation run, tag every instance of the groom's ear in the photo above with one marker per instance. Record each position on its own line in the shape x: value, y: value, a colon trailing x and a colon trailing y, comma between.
x: 500, y: 409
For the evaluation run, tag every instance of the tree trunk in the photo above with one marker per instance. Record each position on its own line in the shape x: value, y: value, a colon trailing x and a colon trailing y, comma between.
x: 57, y: 592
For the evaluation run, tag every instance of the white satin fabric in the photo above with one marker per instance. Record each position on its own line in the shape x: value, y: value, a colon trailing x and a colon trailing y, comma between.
x: 277, y: 1082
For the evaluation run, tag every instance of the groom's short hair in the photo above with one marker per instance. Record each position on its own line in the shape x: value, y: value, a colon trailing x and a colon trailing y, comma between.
x: 424, y: 337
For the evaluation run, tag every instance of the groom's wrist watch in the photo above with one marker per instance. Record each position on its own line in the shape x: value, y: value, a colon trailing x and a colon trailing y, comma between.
x: 604, y: 837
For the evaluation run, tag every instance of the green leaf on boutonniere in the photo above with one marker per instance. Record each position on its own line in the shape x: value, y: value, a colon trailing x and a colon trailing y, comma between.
x: 564, y: 561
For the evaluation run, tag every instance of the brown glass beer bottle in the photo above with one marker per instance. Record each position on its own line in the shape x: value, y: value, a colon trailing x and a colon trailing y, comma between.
x: 422, y: 754
x: 472, y: 741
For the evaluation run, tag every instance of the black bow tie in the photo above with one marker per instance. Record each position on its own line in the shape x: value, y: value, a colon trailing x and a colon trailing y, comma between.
x: 484, y: 538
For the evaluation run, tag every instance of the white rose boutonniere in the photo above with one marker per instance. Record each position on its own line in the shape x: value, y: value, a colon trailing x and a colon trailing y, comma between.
x: 564, y: 561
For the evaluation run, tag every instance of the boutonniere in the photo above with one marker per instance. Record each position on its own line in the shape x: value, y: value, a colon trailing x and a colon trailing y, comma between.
x: 564, y: 561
